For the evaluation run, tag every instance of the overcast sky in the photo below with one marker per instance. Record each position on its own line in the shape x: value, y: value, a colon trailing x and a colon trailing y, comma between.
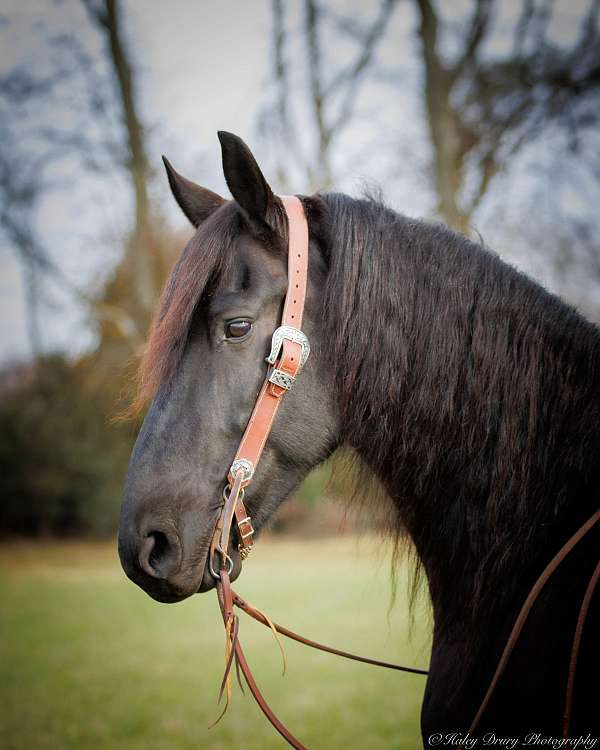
x: 203, y: 66
x: 198, y: 71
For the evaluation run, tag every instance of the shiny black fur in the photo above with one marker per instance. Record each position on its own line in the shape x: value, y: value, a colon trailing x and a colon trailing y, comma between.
x: 474, y: 395
x: 469, y: 391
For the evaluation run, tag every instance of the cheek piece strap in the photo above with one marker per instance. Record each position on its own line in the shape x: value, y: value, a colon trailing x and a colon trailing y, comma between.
x: 289, y: 352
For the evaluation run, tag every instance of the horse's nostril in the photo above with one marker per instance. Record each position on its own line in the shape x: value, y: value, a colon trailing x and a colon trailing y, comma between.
x: 160, y: 550
x: 160, y: 554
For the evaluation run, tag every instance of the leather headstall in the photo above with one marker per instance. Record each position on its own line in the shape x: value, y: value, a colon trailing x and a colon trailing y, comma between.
x: 289, y: 352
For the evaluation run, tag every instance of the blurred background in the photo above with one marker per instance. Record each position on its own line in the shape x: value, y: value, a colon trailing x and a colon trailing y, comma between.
x: 481, y: 114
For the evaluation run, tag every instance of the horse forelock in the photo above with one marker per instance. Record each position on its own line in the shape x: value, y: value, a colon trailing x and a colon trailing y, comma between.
x: 205, y: 259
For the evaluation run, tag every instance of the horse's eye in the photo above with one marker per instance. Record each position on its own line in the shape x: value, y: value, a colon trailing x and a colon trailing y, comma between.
x: 236, y: 329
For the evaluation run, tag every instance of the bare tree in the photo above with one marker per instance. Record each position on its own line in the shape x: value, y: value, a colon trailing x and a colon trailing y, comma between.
x: 143, y: 264
x: 27, y: 155
x: 105, y: 134
x: 331, y: 89
x: 500, y: 82
x: 482, y: 109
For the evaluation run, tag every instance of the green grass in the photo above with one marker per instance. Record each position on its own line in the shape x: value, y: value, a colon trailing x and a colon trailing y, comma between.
x: 89, y: 661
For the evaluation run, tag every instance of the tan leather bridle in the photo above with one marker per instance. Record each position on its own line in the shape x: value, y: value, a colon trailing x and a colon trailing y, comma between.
x: 289, y: 352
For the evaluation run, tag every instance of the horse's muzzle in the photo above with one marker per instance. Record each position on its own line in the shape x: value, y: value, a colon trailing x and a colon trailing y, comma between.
x: 168, y: 565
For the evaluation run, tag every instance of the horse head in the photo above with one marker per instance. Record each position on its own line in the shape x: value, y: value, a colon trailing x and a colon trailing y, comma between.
x: 202, y: 370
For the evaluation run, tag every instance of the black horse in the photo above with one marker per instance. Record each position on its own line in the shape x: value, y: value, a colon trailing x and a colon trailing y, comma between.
x: 470, y: 392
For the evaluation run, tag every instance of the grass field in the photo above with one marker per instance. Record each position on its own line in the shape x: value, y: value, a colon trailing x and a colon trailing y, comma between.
x: 89, y: 661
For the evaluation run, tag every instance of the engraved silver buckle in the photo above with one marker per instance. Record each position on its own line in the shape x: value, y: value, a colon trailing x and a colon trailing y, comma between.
x: 291, y: 334
x: 282, y: 379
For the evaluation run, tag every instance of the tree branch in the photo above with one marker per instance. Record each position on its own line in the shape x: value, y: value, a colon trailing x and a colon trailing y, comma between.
x: 479, y: 27
x: 353, y: 75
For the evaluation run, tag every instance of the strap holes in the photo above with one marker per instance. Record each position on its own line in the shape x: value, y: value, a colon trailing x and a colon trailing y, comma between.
x: 298, y: 254
x: 296, y: 286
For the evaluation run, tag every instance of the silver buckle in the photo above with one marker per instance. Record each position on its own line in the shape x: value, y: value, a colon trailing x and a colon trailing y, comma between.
x: 291, y: 334
x: 282, y: 379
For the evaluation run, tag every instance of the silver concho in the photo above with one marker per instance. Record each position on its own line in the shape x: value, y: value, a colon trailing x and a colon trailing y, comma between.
x: 291, y: 334
x: 244, y: 465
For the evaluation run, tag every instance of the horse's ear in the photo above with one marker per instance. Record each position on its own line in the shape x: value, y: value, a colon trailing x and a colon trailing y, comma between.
x: 244, y: 178
x: 196, y: 202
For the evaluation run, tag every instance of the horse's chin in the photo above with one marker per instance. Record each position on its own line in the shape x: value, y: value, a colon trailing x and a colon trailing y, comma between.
x: 165, y: 597
x: 208, y: 581
x: 185, y: 583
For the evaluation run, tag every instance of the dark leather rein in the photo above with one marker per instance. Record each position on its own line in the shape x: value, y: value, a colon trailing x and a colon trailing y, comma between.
x: 289, y: 351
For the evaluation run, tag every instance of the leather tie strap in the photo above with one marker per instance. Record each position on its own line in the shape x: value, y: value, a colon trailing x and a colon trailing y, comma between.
x: 513, y: 638
x: 261, y: 617
x: 227, y: 600
x: 583, y: 612
x: 224, y: 593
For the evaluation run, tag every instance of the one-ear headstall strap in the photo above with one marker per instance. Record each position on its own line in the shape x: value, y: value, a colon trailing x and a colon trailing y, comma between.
x: 289, y: 351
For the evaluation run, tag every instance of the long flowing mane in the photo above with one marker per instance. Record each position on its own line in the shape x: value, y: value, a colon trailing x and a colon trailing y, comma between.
x: 469, y: 389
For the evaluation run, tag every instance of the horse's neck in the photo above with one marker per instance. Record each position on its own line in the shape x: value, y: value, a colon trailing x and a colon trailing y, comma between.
x: 474, y: 397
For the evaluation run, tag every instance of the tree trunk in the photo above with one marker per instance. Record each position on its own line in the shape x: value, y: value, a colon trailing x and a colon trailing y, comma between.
x: 444, y: 125
x: 141, y: 259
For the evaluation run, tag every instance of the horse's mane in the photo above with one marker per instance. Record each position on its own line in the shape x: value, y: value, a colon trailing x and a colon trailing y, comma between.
x: 468, y: 388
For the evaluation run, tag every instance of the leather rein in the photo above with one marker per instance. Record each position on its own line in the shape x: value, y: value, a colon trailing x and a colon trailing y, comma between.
x: 289, y: 351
